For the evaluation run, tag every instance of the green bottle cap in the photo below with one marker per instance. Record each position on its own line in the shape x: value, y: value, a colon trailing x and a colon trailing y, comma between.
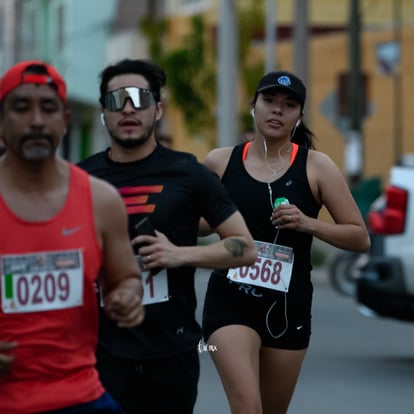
x: 279, y: 201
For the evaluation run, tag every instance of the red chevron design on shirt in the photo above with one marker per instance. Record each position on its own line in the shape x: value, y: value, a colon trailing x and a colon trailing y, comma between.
x: 136, y: 198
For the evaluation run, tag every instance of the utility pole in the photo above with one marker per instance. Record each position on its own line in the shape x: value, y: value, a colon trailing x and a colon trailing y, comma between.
x: 7, y: 24
x: 397, y: 83
x: 301, y: 37
x: 354, y: 151
x: 301, y: 49
x: 271, y: 32
x: 227, y: 74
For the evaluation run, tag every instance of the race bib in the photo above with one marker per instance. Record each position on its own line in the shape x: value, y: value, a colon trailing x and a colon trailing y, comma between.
x: 43, y: 281
x: 155, y: 287
x: 272, y: 269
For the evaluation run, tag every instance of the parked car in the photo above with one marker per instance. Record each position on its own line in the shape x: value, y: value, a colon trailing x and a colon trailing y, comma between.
x: 385, y: 286
x: 344, y: 268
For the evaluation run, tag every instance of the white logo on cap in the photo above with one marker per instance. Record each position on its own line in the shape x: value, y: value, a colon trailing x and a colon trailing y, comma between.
x: 284, y: 80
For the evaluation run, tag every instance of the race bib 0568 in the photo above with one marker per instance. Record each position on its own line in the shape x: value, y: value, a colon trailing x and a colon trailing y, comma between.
x: 272, y: 269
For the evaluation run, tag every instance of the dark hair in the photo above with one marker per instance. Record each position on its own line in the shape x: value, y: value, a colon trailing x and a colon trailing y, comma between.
x: 37, y: 69
x: 303, y: 136
x: 154, y: 74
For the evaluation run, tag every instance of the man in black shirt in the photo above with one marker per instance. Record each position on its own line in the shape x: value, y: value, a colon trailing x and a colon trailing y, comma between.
x: 155, y: 368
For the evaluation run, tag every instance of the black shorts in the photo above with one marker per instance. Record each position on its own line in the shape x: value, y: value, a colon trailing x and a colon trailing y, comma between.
x: 278, y: 323
x: 156, y: 386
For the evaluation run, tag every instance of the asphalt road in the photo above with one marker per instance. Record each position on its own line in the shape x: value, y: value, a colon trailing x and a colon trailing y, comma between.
x: 355, y: 364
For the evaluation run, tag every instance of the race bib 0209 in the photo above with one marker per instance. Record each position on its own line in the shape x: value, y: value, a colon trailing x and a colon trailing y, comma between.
x: 42, y: 281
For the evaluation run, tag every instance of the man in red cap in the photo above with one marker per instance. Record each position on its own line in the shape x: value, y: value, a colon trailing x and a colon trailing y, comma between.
x: 56, y: 241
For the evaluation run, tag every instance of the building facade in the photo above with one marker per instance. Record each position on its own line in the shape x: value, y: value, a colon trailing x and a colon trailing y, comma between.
x: 80, y: 38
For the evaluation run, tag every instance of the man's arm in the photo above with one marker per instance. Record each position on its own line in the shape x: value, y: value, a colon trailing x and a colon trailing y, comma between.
x: 235, y: 248
x: 120, y: 277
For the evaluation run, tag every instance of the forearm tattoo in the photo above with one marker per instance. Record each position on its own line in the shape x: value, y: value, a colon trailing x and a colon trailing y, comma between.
x: 235, y: 247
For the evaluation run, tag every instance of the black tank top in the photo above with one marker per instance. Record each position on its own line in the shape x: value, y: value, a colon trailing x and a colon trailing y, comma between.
x: 253, y: 200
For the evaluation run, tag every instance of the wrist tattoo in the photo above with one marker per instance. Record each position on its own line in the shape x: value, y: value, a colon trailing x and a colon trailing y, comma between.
x: 235, y: 247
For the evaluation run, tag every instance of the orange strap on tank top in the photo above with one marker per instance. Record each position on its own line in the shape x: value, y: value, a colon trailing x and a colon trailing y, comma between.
x: 295, y: 148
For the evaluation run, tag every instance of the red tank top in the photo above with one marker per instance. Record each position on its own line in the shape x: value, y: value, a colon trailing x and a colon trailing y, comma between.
x: 49, y: 306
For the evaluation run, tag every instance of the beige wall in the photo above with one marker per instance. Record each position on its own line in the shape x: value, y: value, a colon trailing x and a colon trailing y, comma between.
x: 328, y: 57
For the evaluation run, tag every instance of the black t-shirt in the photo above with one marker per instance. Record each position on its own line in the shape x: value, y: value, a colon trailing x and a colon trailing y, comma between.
x: 174, y: 190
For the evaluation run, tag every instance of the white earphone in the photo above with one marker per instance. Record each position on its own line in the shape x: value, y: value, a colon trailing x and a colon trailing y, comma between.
x: 103, y: 119
x: 252, y: 112
x: 297, y: 123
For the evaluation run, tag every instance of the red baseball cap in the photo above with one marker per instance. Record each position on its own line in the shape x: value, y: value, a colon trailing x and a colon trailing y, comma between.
x: 21, y: 73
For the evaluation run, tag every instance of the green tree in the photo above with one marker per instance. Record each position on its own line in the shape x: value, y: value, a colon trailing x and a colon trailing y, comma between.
x: 191, y: 67
x: 250, y: 25
x: 191, y: 78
